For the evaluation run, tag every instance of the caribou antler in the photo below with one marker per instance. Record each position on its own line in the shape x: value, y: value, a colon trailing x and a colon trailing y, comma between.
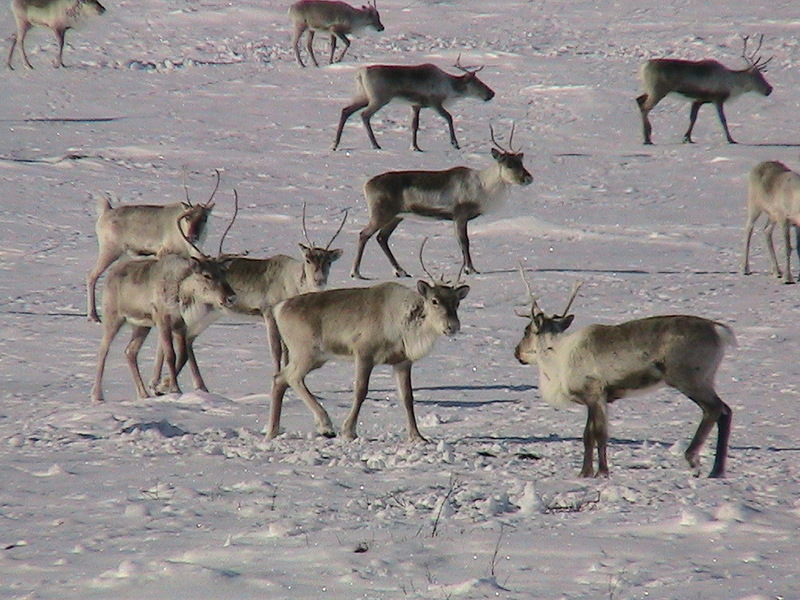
x: 233, y: 218
x: 186, y: 237
x: 216, y: 187
x: 422, y: 263
x: 186, y: 189
x: 335, y: 235
x: 534, y: 305
x: 305, y: 233
x: 460, y: 67
x: 338, y: 231
x: 575, y: 290
x: 441, y: 279
x: 754, y: 61
x: 510, y: 149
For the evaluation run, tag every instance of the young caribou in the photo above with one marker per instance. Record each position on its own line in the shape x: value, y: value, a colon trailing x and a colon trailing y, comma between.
x: 702, y: 82
x: 421, y: 85
x: 774, y: 189
x: 599, y: 364
x: 336, y: 18
x: 459, y: 194
x: 166, y: 292
x: 145, y: 230
x: 57, y: 15
x: 385, y: 324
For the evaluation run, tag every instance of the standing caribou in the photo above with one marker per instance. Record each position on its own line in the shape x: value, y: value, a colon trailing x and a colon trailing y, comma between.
x: 261, y: 283
x: 599, y: 364
x: 167, y: 292
x: 145, y: 230
x: 385, y: 324
x: 336, y: 18
x: 774, y: 189
x: 57, y: 15
x: 702, y: 82
x: 459, y: 194
x: 421, y: 85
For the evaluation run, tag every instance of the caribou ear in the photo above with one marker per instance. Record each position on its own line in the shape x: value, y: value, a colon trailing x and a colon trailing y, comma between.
x: 496, y: 154
x: 563, y: 323
x: 423, y: 287
x: 336, y: 254
x: 462, y: 291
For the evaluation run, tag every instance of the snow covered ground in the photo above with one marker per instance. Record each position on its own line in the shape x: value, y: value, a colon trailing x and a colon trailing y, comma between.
x: 182, y: 497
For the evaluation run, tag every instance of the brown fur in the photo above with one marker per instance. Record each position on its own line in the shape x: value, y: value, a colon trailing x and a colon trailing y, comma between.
x: 702, y: 82
x: 423, y: 86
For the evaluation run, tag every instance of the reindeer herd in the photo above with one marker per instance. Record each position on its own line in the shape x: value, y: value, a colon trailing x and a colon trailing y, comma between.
x: 159, y: 277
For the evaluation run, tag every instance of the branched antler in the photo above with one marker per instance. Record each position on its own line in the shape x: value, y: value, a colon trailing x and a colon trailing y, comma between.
x: 752, y: 60
x: 186, y: 188
x: 460, y: 67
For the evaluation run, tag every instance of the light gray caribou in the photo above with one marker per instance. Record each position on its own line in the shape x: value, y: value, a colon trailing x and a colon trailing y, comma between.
x: 702, y: 82
x: 57, y: 15
x: 420, y: 85
x: 459, y: 194
x: 165, y: 292
x: 145, y: 230
x: 774, y: 189
x: 335, y: 18
x: 599, y: 364
x: 385, y: 324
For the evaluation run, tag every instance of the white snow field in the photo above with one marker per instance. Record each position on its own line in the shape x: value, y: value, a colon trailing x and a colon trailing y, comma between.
x: 183, y: 497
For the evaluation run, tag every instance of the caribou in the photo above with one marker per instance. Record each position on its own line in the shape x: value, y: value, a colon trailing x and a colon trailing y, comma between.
x: 420, y: 85
x: 774, y: 189
x: 260, y: 284
x: 459, y: 194
x: 702, y: 82
x: 166, y: 291
x: 384, y: 324
x: 335, y: 18
x: 57, y: 15
x: 599, y: 364
x: 146, y: 230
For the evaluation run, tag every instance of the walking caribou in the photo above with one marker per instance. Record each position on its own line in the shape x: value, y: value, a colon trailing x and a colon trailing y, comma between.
x: 459, y: 194
x: 702, y: 82
x: 420, y: 85
x: 385, y: 324
x: 336, y: 18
